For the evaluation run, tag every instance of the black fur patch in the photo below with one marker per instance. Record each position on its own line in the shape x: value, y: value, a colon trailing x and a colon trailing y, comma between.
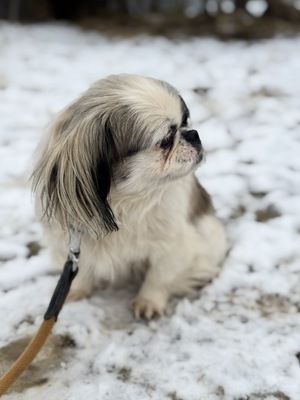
x: 110, y: 148
x: 101, y: 174
x: 185, y: 112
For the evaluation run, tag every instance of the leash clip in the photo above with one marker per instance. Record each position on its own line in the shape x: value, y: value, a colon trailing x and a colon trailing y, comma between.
x: 74, y: 248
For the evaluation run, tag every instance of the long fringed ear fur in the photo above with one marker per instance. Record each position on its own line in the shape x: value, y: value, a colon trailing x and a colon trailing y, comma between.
x: 72, y: 176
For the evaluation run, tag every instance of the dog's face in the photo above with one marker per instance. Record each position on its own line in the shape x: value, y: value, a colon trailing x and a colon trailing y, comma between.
x: 158, y: 146
x: 126, y: 135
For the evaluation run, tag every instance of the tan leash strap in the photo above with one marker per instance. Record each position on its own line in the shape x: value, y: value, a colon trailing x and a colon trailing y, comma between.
x: 27, y: 356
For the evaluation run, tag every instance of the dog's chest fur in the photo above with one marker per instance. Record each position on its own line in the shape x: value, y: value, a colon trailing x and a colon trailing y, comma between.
x: 146, y: 226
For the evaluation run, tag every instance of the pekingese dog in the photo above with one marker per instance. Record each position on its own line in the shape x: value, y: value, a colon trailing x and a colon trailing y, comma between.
x: 118, y: 164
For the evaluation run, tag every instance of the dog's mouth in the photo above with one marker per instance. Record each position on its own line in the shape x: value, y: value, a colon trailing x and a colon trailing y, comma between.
x: 197, y: 153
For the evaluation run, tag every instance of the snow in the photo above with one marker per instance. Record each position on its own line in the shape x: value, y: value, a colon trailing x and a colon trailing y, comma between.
x: 237, y: 339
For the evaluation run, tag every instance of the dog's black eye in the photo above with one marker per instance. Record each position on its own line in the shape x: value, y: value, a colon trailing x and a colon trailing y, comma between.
x: 167, y: 142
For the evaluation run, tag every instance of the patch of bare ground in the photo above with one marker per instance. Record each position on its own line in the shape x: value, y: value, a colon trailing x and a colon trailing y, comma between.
x: 266, y: 214
x: 54, y: 352
x: 224, y: 26
x: 278, y: 395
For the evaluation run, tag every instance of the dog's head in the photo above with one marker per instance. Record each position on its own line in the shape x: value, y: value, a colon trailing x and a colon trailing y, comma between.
x: 127, y: 135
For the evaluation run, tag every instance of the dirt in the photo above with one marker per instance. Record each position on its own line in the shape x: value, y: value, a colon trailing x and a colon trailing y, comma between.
x: 266, y: 214
x: 224, y: 26
x: 55, y: 352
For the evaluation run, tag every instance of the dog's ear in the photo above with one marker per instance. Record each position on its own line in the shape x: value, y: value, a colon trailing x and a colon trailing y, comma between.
x: 73, y: 173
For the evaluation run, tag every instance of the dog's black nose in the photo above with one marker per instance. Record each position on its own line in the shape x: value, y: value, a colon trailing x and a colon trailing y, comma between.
x: 193, y: 138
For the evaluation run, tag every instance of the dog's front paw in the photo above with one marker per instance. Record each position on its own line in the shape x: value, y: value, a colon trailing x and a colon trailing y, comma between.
x: 145, y: 308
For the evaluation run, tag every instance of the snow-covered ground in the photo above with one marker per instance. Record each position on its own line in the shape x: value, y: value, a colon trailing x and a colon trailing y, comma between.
x: 239, y: 338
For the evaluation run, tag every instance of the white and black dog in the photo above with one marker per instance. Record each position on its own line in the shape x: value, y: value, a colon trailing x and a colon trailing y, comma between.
x: 118, y: 164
